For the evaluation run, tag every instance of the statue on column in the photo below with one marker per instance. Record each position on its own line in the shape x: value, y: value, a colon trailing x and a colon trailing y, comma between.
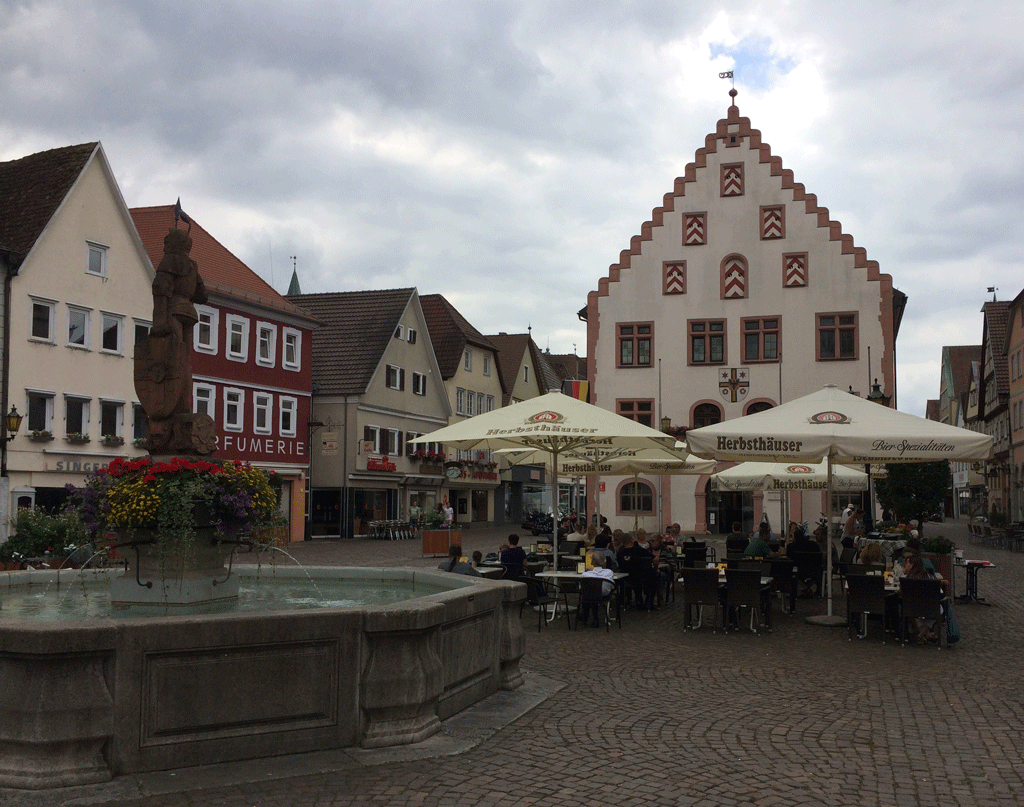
x: 163, y: 367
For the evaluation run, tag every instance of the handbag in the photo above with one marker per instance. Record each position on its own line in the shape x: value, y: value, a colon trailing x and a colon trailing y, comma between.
x: 952, y: 626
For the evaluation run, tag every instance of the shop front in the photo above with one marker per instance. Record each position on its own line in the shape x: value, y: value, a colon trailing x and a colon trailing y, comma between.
x: 469, y: 488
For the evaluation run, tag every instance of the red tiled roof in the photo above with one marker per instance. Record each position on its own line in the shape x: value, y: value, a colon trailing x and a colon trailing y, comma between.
x: 568, y: 365
x: 960, y: 358
x: 511, y: 349
x: 450, y: 332
x: 996, y: 320
x: 222, y: 272
x: 31, y: 190
x: 931, y: 409
x: 357, y: 327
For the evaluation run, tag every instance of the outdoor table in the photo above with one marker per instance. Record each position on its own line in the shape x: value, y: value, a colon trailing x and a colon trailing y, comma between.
x: 972, y: 567
x: 492, y: 570
x: 573, y: 575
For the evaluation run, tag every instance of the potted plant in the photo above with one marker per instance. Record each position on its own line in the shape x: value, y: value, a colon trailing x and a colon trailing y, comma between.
x: 39, y: 534
x: 76, y: 438
x: 40, y: 435
x: 940, y: 551
x: 112, y: 440
x: 140, y: 442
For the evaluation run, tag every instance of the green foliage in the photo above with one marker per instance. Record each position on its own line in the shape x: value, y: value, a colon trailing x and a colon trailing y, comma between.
x: 914, y: 490
x: 996, y: 517
x: 432, y: 519
x: 38, y: 532
x: 937, y: 545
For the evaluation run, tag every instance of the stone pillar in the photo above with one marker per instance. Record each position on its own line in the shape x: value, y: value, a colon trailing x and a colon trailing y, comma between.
x: 403, y: 677
x: 511, y: 639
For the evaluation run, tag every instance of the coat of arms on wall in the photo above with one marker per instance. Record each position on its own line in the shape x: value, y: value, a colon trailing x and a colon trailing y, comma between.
x: 733, y: 383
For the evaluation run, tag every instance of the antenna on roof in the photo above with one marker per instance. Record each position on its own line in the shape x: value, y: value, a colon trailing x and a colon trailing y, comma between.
x: 181, y: 215
x: 992, y: 291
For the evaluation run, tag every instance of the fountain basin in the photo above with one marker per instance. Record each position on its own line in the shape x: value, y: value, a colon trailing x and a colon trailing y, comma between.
x: 82, y: 701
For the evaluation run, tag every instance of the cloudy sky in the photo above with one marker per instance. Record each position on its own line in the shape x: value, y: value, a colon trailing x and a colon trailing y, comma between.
x: 503, y: 152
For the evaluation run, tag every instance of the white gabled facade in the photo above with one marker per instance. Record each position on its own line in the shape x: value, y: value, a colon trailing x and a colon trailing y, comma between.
x: 739, y: 294
x: 82, y: 292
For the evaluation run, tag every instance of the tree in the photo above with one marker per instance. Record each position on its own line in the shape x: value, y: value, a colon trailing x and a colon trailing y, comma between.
x: 914, y: 489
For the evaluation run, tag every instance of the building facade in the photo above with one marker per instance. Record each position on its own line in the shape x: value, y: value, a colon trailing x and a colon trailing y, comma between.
x: 80, y: 297
x: 958, y: 364
x: 376, y: 387
x: 740, y: 293
x: 1015, y: 406
x: 251, y: 362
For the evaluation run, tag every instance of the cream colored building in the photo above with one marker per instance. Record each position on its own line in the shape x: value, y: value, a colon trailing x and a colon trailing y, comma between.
x: 80, y: 299
x: 740, y: 293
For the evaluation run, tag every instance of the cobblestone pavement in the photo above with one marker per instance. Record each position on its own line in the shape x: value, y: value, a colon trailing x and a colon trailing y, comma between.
x: 653, y: 716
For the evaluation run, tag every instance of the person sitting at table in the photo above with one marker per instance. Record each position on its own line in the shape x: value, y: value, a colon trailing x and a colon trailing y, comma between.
x: 758, y: 546
x: 852, y: 529
x: 914, y: 569
x: 607, y: 577
x: 661, y: 563
x: 513, y: 558
x: 641, y: 538
x: 590, y: 539
x: 601, y: 547
x: 455, y: 564
x: 478, y: 558
x: 736, y: 541
x: 801, y: 542
x: 914, y: 545
x: 635, y: 561
x: 872, y: 553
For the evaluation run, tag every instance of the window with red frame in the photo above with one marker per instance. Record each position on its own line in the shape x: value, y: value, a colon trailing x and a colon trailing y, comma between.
x: 642, y: 410
x: 636, y: 344
x: 837, y: 336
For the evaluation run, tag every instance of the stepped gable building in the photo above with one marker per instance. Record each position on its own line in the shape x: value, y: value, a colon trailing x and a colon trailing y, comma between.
x: 469, y: 367
x: 77, y: 292
x: 740, y: 292
x: 376, y: 387
x: 251, y: 361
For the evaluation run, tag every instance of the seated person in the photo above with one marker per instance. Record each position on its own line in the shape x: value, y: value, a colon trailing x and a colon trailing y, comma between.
x: 478, y: 558
x: 801, y: 543
x: 914, y: 544
x: 513, y: 558
x: 736, y: 541
x: 601, y: 546
x: 914, y: 569
x: 758, y: 546
x: 872, y: 553
x: 607, y: 586
x: 455, y: 564
x: 661, y: 563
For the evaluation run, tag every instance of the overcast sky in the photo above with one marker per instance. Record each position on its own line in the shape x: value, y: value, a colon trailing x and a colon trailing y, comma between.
x: 503, y: 153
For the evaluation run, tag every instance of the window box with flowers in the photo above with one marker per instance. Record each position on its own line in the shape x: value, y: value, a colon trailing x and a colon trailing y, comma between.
x: 140, y: 442
x: 112, y: 440
x: 40, y: 435
x: 76, y: 438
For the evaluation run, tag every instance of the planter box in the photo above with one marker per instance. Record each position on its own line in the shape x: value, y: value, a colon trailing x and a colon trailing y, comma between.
x: 40, y: 438
x: 436, y: 542
x: 943, y: 564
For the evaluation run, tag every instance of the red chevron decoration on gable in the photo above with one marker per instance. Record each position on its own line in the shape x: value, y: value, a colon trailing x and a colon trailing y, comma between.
x: 734, y: 278
x: 695, y: 230
x: 794, y: 270
x: 773, y: 222
x: 673, y: 277
x: 732, y: 179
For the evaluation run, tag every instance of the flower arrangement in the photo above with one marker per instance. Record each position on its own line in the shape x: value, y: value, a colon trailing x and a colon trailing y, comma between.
x: 40, y: 434
x: 139, y: 442
x: 112, y: 440
x: 76, y: 437
x: 171, y: 497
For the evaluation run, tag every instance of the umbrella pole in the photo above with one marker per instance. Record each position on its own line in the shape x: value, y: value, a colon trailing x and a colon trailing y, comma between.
x: 828, y: 620
x: 554, y: 504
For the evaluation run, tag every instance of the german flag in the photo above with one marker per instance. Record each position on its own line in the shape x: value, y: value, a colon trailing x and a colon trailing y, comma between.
x: 580, y: 390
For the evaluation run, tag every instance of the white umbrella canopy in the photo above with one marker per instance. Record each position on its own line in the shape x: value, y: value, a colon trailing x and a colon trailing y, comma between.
x: 833, y: 423
x: 553, y: 424
x: 789, y: 476
x: 841, y: 428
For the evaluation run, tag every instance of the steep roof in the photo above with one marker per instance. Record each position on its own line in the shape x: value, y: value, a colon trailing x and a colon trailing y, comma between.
x: 32, y: 189
x: 960, y: 358
x: 931, y: 409
x: 450, y: 332
x: 996, y: 319
x: 568, y: 365
x: 221, y: 270
x: 511, y: 349
x: 357, y: 327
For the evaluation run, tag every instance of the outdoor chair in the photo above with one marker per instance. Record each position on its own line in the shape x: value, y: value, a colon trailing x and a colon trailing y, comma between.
x: 922, y: 599
x: 860, y: 569
x: 591, y: 589
x: 810, y: 572
x: 846, y: 560
x: 538, y: 596
x: 735, y: 545
x: 750, y: 564
x: 695, y: 556
x: 865, y: 595
x: 783, y: 583
x: 743, y: 589
x: 700, y: 588
x: 512, y: 572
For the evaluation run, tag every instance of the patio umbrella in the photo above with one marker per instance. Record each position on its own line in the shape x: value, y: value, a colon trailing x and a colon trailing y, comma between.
x: 553, y: 424
x: 840, y: 428
x: 597, y: 461
x: 789, y: 476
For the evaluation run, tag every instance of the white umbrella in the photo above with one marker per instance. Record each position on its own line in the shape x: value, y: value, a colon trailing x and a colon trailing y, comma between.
x: 597, y: 461
x: 789, y: 476
x: 552, y: 423
x: 841, y: 428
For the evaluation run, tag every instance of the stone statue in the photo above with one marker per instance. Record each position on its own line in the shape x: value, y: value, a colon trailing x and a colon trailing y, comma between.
x: 163, y: 367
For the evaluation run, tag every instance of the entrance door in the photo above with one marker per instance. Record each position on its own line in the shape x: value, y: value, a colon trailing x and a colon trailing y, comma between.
x: 734, y: 506
x: 479, y: 505
x: 380, y: 505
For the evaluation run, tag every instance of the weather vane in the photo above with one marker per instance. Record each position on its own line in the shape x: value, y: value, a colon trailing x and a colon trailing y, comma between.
x: 992, y: 291
x: 732, y: 82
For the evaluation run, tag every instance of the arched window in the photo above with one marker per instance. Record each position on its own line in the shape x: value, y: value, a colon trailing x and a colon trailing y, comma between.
x: 706, y: 414
x: 758, y: 406
x: 636, y: 498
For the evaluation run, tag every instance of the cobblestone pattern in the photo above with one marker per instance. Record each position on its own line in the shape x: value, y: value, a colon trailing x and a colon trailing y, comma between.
x: 654, y: 716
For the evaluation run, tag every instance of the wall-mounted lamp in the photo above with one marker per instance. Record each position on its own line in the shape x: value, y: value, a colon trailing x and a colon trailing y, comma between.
x: 12, y: 422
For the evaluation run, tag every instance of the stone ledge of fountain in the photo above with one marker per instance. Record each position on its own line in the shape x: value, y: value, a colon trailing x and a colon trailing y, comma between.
x: 85, y: 701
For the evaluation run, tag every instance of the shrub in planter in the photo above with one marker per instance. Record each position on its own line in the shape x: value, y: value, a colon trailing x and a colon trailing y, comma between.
x: 38, y: 532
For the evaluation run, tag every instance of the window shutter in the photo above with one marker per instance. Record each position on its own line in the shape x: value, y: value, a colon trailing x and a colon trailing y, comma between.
x: 401, y: 444
x: 367, y: 433
x: 401, y: 378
